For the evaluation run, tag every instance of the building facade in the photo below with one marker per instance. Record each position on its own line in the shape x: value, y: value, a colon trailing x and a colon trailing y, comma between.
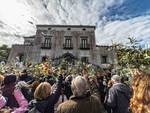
x: 55, y: 41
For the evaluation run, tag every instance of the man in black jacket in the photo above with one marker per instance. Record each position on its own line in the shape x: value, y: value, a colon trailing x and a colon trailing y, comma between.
x: 119, y: 96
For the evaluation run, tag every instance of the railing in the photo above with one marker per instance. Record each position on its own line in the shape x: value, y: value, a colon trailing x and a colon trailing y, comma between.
x: 68, y: 46
x: 46, y: 46
x: 84, y: 46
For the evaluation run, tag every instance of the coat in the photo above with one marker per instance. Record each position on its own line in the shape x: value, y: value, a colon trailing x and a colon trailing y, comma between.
x: 8, y: 93
x: 23, y: 103
x: 47, y: 105
x: 119, y: 98
x: 2, y: 101
x: 84, y: 104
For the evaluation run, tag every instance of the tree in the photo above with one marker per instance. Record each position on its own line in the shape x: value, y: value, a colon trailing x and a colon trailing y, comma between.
x: 4, y: 52
x: 132, y: 55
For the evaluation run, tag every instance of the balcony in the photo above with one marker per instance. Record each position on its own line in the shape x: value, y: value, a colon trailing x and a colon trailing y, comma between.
x: 84, y: 46
x: 46, y: 46
x: 68, y: 46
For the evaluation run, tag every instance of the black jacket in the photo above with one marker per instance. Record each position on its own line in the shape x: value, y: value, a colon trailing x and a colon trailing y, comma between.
x: 119, y: 98
x: 47, y: 105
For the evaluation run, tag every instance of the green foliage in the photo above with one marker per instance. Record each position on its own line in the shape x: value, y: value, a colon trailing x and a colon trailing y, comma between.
x: 132, y: 55
x: 4, y: 52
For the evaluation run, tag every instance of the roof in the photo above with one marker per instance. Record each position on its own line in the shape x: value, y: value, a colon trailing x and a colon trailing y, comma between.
x: 30, y: 36
x: 103, y: 46
x: 75, y: 26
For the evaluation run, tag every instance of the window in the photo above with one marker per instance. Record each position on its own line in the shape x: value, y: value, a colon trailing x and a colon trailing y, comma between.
x: 47, y: 43
x: 84, y: 59
x: 49, y: 28
x: 68, y: 42
x: 84, y: 43
x: 104, y: 59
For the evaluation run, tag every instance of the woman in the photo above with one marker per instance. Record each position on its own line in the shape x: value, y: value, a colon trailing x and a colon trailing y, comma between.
x: 8, y: 91
x: 140, y: 102
x: 44, y: 98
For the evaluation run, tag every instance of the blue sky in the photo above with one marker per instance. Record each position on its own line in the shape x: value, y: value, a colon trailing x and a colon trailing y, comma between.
x: 130, y: 9
x: 115, y: 20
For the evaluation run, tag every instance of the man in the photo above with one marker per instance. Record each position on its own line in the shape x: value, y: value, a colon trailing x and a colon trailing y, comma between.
x: 119, y: 96
x: 81, y: 101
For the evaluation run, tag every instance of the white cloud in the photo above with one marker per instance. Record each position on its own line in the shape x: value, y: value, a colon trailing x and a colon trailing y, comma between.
x: 19, y: 17
x: 119, y: 31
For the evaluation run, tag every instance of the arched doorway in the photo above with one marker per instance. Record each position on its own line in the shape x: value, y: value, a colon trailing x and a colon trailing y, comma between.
x: 68, y: 57
x: 20, y: 57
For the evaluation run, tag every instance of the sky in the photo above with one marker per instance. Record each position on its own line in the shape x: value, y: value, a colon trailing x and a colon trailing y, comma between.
x: 115, y: 20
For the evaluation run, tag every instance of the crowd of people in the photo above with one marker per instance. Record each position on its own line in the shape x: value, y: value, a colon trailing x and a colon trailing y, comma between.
x: 60, y: 92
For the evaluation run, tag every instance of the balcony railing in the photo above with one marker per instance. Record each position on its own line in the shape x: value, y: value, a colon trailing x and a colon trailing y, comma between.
x: 84, y: 46
x: 68, y: 46
x: 46, y: 46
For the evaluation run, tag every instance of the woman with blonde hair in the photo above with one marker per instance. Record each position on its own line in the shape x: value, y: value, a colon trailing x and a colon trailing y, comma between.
x: 140, y: 101
x: 44, y: 99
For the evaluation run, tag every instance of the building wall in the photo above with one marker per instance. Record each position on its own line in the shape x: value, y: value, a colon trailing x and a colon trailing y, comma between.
x: 18, y: 50
x: 58, y: 34
x: 35, y: 53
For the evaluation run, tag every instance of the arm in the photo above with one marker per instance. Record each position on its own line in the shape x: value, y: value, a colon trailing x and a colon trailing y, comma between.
x: 23, y: 103
x: 55, y: 95
x: 2, y: 101
x: 112, y: 99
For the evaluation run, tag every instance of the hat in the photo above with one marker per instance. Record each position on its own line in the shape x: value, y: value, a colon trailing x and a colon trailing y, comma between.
x: 116, y: 78
x: 9, y: 79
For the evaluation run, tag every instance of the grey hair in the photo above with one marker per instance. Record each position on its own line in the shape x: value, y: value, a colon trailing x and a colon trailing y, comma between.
x: 79, y: 86
x: 116, y: 78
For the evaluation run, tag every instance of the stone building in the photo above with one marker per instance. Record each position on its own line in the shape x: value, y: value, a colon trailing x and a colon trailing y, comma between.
x: 57, y: 41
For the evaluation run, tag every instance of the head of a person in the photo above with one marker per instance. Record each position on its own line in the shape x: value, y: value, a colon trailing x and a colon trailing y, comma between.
x: 79, y: 86
x: 116, y: 79
x: 10, y: 79
x: 124, y: 79
x: 140, y: 101
x: 42, y: 91
x: 24, y: 72
x: 34, y: 85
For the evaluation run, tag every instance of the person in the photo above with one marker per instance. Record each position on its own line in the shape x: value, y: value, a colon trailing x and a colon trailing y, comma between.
x: 24, y: 76
x: 140, y: 101
x: 118, y: 96
x: 109, y: 85
x: 81, y: 101
x: 2, y: 101
x: 21, y: 100
x: 8, y: 91
x: 44, y: 98
x: 62, y: 98
x: 25, y: 89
